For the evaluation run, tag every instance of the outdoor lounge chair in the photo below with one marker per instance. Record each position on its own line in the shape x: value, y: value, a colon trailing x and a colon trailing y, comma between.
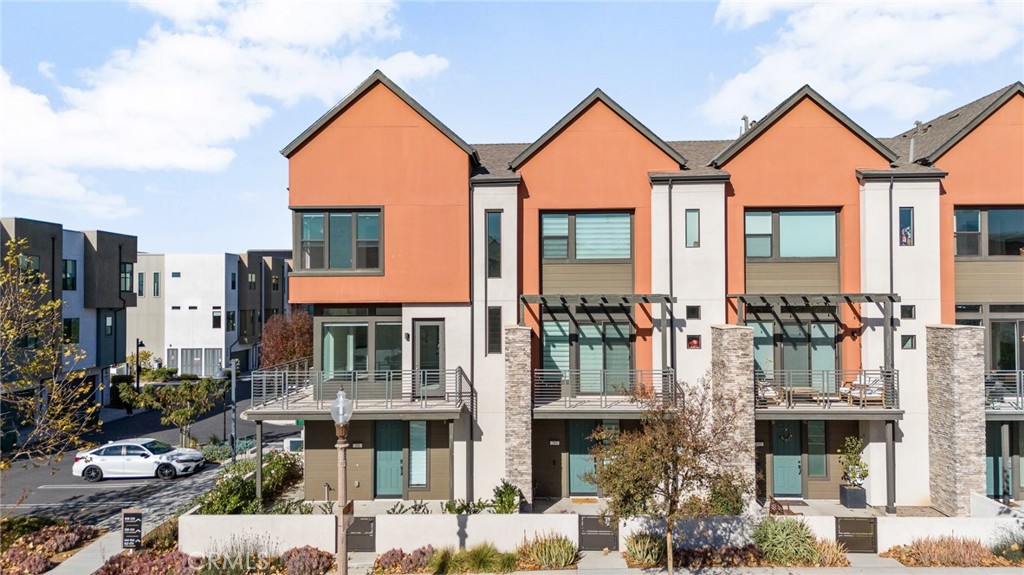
x: 864, y: 390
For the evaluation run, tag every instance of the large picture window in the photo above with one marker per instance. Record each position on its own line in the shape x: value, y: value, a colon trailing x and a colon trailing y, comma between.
x: 985, y: 232
x: 341, y: 240
x: 790, y: 234
x: 360, y: 346
x: 591, y: 236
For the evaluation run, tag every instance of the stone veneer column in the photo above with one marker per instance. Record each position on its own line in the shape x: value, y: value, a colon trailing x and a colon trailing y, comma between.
x: 956, y: 416
x: 732, y: 381
x: 519, y: 410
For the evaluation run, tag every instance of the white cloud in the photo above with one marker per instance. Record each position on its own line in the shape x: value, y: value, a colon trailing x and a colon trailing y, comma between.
x: 862, y: 55
x: 199, y: 81
x: 45, y: 69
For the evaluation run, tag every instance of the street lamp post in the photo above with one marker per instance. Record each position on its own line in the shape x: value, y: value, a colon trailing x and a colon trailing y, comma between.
x: 341, y: 413
x: 234, y: 414
x: 138, y: 365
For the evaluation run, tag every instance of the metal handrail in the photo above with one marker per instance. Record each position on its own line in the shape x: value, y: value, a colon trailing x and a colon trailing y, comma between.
x: 826, y: 387
x: 1004, y: 390
x: 297, y: 364
x: 602, y: 387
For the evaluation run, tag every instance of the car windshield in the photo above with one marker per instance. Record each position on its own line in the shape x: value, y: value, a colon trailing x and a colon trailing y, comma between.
x: 157, y: 447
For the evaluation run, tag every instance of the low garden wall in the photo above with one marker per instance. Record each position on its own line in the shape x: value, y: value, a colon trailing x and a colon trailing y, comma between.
x: 506, y: 532
x: 213, y: 534
x: 894, y: 531
x: 982, y: 506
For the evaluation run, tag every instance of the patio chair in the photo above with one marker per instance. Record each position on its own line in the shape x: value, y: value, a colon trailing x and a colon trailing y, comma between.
x: 864, y: 390
x: 768, y: 393
x: 776, y: 507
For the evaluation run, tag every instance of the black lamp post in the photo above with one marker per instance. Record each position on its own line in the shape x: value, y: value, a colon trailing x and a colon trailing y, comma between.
x: 138, y: 365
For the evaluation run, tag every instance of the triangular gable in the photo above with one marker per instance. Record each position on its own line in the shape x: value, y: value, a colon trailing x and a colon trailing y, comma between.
x: 377, y: 77
x: 596, y: 96
x: 1007, y: 94
x: 782, y: 109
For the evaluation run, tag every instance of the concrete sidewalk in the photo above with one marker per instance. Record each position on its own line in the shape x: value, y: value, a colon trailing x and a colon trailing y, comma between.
x: 92, y: 557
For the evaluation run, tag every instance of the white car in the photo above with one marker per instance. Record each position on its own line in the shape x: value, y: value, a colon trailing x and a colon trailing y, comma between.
x: 143, y: 457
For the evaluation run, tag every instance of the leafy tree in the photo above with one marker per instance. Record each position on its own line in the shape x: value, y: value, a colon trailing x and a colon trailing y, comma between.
x: 42, y: 390
x: 181, y: 405
x: 286, y: 337
x: 146, y: 361
x: 679, y: 451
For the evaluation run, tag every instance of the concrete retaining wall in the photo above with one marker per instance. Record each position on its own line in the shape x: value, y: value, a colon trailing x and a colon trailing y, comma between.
x: 894, y: 531
x: 506, y: 532
x: 213, y: 534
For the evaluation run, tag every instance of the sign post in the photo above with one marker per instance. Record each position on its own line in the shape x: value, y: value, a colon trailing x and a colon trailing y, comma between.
x: 131, y: 529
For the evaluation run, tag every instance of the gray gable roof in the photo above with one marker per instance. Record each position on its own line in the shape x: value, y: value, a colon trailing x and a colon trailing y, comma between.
x: 935, y: 137
x: 595, y: 96
x: 806, y: 92
x: 377, y: 77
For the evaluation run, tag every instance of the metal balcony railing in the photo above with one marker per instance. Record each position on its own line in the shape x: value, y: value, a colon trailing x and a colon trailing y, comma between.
x: 1004, y: 390
x: 391, y: 389
x: 602, y: 388
x: 827, y: 388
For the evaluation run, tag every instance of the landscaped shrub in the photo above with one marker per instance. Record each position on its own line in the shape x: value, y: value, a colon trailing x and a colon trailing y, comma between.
x: 12, y: 528
x: 233, y: 493
x: 230, y: 496
x: 163, y: 538
x: 786, y: 541
x: 726, y: 496
x: 57, y: 538
x: 188, y: 377
x: 148, y: 562
x: 710, y: 557
x: 160, y: 374
x: 20, y: 560
x: 947, y: 551
x: 832, y: 554
x: 551, y: 551
x: 308, y: 560
x: 507, y: 498
x: 117, y: 379
x: 217, y: 452
x: 389, y: 561
x: 646, y: 550
x: 417, y: 560
x: 463, y: 507
x: 417, y: 507
x: 485, y: 558
x: 1010, y: 546
x: 290, y: 507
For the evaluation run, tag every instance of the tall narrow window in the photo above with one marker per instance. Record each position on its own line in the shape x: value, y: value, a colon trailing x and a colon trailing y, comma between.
x: 494, y: 330
x: 126, y: 276
x: 108, y: 325
x: 71, y: 327
x: 234, y: 280
x: 231, y: 321
x: 368, y: 240
x: 312, y: 241
x: 817, y: 462
x: 493, y: 244
x: 967, y: 226
x: 216, y: 319
x: 693, y: 228
x: 69, y: 277
x: 417, y: 454
x: 341, y: 241
x: 141, y: 284
x: 906, y: 226
x: 251, y: 280
x: 275, y: 284
x: 156, y: 284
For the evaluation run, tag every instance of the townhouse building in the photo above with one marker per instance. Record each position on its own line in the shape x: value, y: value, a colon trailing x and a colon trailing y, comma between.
x: 196, y: 310
x: 487, y: 306
x: 91, y: 273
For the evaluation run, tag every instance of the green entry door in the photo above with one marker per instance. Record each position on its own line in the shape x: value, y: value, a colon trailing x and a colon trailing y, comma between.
x: 786, y: 459
x: 388, y: 450
x: 580, y: 460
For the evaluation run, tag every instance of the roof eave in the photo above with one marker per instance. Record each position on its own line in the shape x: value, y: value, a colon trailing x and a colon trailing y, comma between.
x: 1011, y: 91
x: 876, y: 175
x: 665, y: 177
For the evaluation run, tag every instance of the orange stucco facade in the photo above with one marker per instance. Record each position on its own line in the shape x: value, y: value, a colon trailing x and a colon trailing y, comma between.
x: 985, y: 168
x: 381, y: 152
x: 597, y: 162
x: 807, y: 158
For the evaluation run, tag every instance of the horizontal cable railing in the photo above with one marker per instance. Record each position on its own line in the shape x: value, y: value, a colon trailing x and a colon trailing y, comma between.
x: 1004, y: 390
x: 827, y: 387
x: 601, y: 388
x: 367, y: 389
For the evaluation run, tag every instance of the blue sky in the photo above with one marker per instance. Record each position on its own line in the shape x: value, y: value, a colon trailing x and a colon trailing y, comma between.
x: 164, y: 120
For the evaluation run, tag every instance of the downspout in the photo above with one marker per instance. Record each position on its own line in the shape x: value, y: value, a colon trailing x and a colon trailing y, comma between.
x: 671, y: 283
x: 472, y: 349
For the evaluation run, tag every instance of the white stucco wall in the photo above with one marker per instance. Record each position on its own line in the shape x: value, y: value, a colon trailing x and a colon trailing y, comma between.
x: 204, y: 283
x: 506, y: 532
x: 894, y: 531
x: 212, y: 534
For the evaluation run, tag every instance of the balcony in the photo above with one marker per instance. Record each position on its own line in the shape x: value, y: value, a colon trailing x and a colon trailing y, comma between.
x: 1004, y: 391
x: 297, y: 393
x: 850, y: 392
x: 596, y: 393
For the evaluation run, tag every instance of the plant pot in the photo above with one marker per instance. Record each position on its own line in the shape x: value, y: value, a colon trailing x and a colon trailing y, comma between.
x: 853, y: 497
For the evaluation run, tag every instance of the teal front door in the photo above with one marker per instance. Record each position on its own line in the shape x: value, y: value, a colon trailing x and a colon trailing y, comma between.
x: 580, y: 460
x: 786, y: 459
x: 388, y: 459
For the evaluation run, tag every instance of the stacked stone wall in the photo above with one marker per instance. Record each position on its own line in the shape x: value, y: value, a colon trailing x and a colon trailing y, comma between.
x: 732, y: 383
x: 519, y: 410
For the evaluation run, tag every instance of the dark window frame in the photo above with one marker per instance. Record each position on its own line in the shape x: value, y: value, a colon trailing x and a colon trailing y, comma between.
x: 141, y: 285
x: 908, y: 341
x: 906, y: 233
x: 216, y: 319
x: 775, y: 235
x: 234, y: 280
x: 570, y: 251
x: 229, y: 323
x: 493, y: 345
x: 356, y: 247
x: 71, y: 330
x: 983, y: 237
x: 693, y: 312
x: 686, y: 228
x: 908, y: 311
x: 69, y: 275
x: 127, y: 276
x: 493, y: 259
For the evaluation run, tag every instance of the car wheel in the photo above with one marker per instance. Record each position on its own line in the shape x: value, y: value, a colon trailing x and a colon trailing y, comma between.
x: 92, y: 474
x: 166, y: 471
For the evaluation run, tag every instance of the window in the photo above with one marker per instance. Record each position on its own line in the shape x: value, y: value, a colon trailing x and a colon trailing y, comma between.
x: 191, y: 360
x: 967, y: 232
x: 790, y: 234
x: 174, y: 307
x: 32, y: 263
x: 1006, y: 232
x: 69, y: 276
x: 494, y: 330
x: 142, y: 284
x: 251, y: 280
x: 341, y: 240
x: 906, y: 226
x: 175, y: 274
x: 112, y: 451
x: 231, y: 321
x: 234, y: 280
x: 346, y: 347
x: 693, y: 312
x: 216, y: 320
x: 593, y: 236
x: 126, y: 276
x: 156, y: 284
x: 212, y: 359
x: 135, y: 451
x: 417, y: 454
x: 193, y: 307
x: 908, y: 311
x: 817, y: 462
x: 493, y: 244
x: 71, y: 326
x: 275, y: 284
x: 908, y: 341
x: 986, y: 232
x: 172, y: 358
x: 693, y: 342
x: 764, y: 345
x: 693, y: 228
x: 108, y: 325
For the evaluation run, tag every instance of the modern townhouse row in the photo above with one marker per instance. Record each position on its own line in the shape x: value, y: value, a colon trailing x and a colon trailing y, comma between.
x: 487, y: 306
x: 195, y: 310
x: 92, y: 273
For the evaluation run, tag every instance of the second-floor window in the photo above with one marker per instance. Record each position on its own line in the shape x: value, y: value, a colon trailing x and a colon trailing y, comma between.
x: 341, y: 240
x: 790, y: 234
x: 156, y: 284
x: 251, y: 280
x: 69, y: 277
x: 142, y: 284
x: 984, y: 232
x: 493, y: 244
x: 126, y: 276
x: 587, y: 236
x: 71, y: 329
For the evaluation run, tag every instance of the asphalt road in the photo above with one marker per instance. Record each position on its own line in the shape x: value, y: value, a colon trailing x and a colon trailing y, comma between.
x: 52, y: 490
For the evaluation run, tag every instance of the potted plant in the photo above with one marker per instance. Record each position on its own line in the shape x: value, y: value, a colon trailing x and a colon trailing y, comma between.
x: 855, y: 471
